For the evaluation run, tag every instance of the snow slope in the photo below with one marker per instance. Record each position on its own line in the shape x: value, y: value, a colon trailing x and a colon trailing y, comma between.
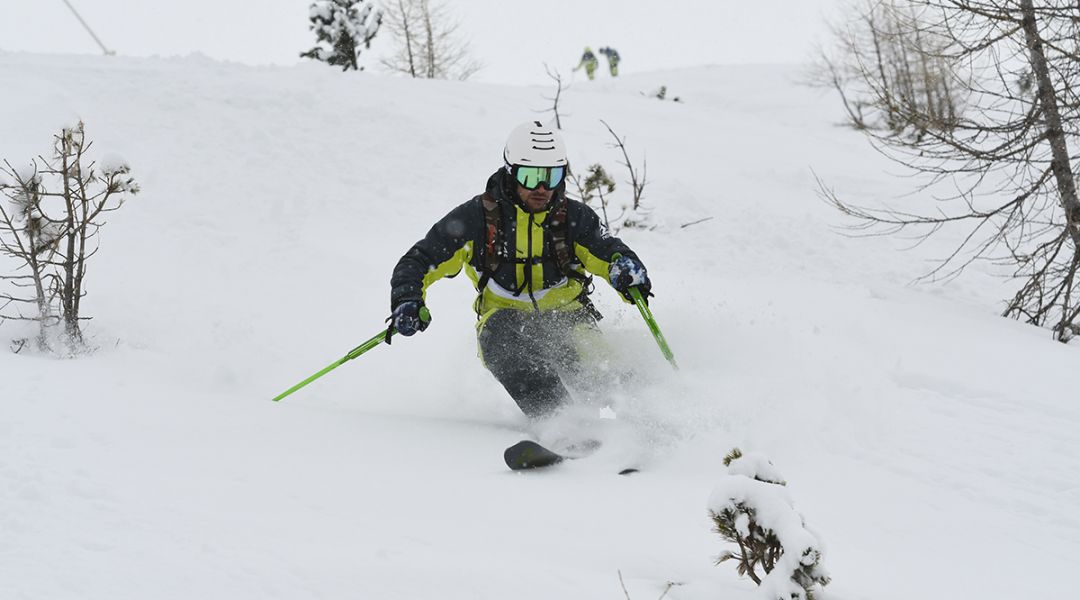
x: 929, y: 442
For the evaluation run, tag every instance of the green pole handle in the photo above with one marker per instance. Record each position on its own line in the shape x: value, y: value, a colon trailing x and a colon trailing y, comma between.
x: 653, y: 327
x: 375, y: 340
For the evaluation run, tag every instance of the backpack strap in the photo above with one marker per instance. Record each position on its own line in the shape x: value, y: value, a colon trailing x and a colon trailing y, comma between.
x: 491, y: 248
x: 562, y: 247
x: 493, y: 234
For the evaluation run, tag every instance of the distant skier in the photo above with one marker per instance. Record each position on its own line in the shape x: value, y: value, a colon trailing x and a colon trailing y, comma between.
x: 612, y: 60
x: 588, y: 60
x: 529, y: 252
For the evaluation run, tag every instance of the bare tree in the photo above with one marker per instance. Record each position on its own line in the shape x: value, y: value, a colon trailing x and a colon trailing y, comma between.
x: 890, y: 71
x: 56, y: 210
x: 637, y: 180
x: 401, y: 20
x: 557, y: 78
x: 1000, y: 172
x: 428, y: 44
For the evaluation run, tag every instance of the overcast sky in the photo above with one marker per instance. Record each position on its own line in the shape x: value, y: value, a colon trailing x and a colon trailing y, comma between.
x: 512, y: 38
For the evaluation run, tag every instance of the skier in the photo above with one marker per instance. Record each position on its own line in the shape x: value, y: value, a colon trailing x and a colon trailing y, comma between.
x: 588, y: 60
x: 529, y: 252
x: 612, y: 60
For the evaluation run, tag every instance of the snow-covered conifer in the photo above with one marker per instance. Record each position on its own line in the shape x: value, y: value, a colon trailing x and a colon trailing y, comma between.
x: 751, y: 508
x: 341, y: 27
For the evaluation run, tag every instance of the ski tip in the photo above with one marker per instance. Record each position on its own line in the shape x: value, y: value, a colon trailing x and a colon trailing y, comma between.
x: 527, y: 454
x: 629, y: 471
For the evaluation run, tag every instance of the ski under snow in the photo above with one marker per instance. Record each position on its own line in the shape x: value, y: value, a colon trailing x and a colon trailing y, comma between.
x: 527, y: 455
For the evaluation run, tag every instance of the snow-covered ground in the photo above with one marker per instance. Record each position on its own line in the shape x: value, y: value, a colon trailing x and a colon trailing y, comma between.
x: 931, y: 443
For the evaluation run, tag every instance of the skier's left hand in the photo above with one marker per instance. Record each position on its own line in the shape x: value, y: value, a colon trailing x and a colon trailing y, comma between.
x: 627, y: 272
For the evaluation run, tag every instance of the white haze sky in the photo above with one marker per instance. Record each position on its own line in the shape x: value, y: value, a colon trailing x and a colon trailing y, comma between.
x: 512, y: 38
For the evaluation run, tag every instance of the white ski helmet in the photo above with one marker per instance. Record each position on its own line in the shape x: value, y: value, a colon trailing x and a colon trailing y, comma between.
x: 534, y: 144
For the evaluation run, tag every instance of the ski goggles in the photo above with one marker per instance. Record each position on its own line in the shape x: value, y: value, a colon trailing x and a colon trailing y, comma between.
x: 531, y: 178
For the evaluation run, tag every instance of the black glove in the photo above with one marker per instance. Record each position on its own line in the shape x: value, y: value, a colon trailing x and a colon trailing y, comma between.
x: 406, y: 318
x: 627, y: 272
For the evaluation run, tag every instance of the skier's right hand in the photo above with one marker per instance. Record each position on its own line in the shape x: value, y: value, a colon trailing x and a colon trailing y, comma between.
x: 407, y: 318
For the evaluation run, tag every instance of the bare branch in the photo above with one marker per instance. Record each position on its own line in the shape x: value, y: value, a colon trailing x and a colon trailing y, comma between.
x: 557, y: 78
x: 623, y: 584
x: 685, y: 225
x: 638, y: 185
x: 979, y: 96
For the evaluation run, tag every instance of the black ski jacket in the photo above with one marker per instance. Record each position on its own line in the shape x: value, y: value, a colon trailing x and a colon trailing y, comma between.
x: 527, y: 275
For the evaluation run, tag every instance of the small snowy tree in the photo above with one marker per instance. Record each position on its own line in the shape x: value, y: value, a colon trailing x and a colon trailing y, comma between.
x: 597, y: 182
x: 752, y: 509
x: 341, y: 27
x: 49, y: 226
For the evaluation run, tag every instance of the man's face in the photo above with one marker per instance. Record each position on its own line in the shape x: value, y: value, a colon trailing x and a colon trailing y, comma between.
x: 534, y: 200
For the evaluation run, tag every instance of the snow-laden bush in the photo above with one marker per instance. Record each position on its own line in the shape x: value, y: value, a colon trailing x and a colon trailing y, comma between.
x: 340, y: 27
x: 752, y: 509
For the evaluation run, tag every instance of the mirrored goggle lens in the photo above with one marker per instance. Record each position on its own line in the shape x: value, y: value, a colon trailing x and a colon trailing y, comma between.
x: 530, y: 178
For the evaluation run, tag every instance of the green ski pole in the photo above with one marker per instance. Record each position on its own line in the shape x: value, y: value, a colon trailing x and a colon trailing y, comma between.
x: 355, y: 352
x: 653, y: 327
x: 646, y: 314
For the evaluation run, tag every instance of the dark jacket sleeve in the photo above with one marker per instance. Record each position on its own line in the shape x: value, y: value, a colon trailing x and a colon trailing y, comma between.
x: 594, y: 246
x: 442, y: 252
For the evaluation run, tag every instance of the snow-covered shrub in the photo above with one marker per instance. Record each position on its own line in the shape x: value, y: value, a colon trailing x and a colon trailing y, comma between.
x: 340, y: 27
x: 49, y: 226
x: 752, y: 509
